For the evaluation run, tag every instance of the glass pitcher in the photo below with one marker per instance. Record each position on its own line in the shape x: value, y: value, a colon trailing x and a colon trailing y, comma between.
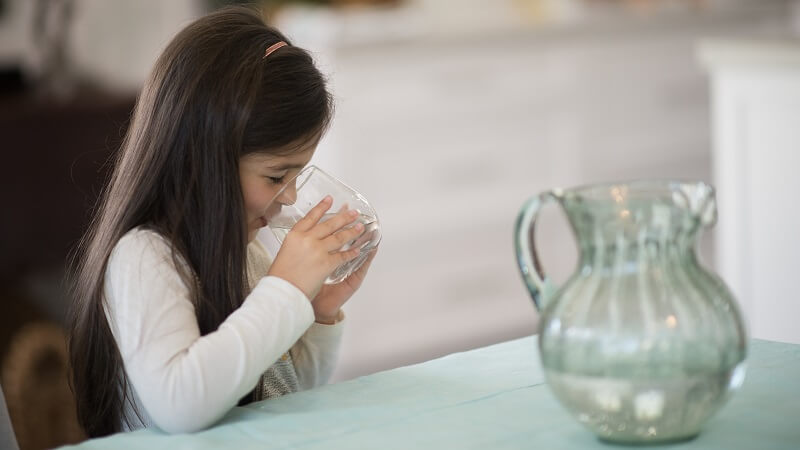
x: 641, y: 344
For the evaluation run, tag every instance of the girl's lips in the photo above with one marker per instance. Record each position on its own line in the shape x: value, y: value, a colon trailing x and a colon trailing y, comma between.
x: 262, y: 221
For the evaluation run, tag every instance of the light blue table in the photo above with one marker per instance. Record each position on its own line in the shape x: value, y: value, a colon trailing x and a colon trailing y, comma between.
x: 489, y: 398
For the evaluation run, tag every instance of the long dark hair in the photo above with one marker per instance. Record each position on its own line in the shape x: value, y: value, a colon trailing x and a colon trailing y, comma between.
x: 210, y: 99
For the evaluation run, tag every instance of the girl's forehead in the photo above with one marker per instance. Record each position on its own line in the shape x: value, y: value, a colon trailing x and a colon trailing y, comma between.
x: 300, y: 158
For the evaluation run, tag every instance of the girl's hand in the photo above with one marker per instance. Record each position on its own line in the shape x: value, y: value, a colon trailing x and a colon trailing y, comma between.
x: 332, y: 296
x: 309, y: 252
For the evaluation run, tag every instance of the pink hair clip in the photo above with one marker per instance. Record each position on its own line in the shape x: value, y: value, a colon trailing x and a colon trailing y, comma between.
x: 274, y: 47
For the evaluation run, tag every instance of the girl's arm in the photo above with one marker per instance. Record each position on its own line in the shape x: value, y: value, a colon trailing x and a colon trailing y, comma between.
x: 315, y: 354
x: 186, y: 382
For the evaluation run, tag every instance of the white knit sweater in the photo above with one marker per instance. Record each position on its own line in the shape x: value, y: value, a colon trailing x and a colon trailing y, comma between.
x: 181, y: 381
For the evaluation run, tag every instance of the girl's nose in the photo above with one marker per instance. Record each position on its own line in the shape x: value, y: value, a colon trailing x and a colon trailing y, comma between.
x: 289, y: 194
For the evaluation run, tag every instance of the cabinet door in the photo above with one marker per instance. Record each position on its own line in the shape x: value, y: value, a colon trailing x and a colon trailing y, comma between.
x: 756, y: 158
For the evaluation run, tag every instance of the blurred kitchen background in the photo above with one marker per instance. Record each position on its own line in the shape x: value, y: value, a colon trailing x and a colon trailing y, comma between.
x: 449, y: 115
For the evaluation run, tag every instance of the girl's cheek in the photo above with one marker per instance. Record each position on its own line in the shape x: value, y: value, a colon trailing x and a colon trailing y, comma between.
x: 265, y: 201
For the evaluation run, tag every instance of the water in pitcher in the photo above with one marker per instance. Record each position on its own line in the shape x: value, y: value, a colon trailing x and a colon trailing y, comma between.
x: 365, y: 242
x: 630, y: 411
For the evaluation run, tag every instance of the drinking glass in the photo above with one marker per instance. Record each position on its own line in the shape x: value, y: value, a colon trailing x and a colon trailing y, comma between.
x: 306, y: 190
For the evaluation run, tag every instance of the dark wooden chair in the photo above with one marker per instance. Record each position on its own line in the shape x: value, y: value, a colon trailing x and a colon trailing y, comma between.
x: 40, y: 402
x: 7, y: 438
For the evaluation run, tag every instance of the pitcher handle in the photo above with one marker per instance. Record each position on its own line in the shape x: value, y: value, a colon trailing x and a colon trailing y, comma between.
x: 539, y: 285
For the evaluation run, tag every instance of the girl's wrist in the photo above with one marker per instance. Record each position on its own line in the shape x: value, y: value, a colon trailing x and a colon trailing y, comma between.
x: 330, y: 320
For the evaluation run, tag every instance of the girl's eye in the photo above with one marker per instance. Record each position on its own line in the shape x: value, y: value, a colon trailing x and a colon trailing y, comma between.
x: 276, y: 180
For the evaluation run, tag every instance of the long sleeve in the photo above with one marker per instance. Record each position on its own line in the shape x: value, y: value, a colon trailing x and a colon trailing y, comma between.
x: 184, y: 381
x: 315, y: 355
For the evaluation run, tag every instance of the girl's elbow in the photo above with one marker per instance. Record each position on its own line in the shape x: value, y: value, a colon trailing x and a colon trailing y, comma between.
x: 187, y: 419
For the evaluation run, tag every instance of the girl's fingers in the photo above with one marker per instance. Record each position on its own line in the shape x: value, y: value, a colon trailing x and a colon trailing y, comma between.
x: 339, y: 239
x: 313, y: 216
x: 346, y: 256
x: 362, y: 271
x: 371, y: 256
x: 363, y: 239
x: 343, y: 217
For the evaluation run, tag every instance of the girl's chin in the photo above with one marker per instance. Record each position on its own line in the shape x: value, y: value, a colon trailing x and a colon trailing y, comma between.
x: 255, y: 226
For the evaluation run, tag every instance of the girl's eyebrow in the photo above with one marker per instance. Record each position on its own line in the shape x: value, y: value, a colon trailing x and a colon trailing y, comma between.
x: 287, y: 166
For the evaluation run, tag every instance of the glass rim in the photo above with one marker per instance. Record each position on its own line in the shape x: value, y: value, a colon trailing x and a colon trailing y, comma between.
x: 696, y: 196
x: 309, y: 170
x: 601, y: 189
x: 287, y: 183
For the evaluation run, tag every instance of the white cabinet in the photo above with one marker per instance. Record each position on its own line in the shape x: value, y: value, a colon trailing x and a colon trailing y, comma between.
x: 756, y: 161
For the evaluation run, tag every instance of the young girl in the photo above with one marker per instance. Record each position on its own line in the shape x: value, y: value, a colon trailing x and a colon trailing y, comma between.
x: 178, y: 313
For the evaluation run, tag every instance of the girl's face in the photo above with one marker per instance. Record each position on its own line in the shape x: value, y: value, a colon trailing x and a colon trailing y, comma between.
x: 262, y: 176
